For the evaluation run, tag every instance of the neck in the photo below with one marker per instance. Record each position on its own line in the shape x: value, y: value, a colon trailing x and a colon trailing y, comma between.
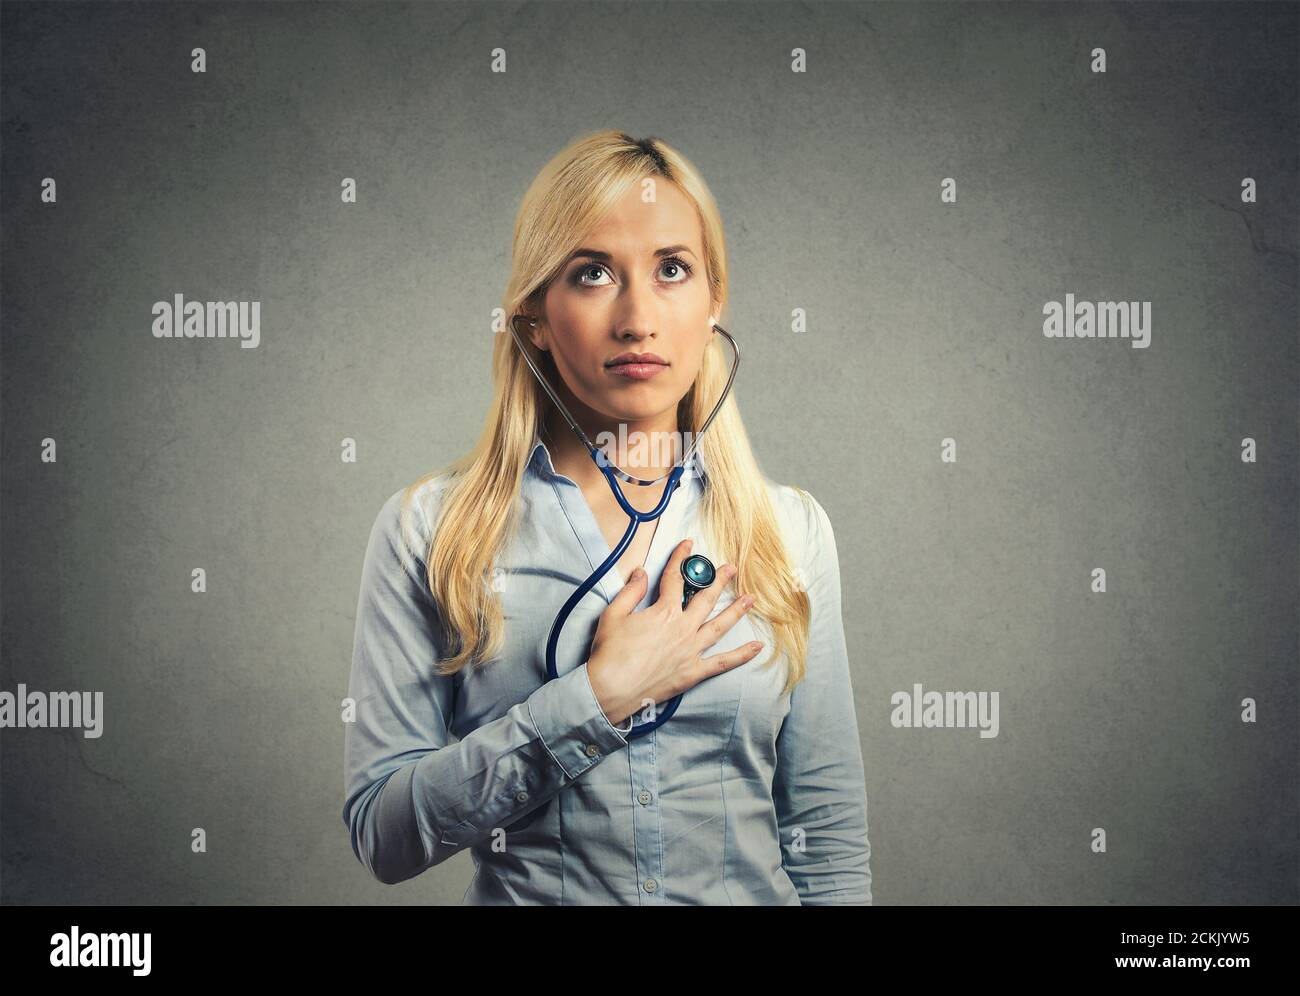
x: 572, y: 460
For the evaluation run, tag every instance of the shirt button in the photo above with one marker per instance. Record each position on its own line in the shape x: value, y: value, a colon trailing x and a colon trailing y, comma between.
x: 521, y: 796
x: 651, y: 885
x: 644, y: 797
x: 592, y: 750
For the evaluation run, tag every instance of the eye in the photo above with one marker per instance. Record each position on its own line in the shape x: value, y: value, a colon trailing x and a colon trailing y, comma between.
x: 577, y: 274
x: 680, y: 264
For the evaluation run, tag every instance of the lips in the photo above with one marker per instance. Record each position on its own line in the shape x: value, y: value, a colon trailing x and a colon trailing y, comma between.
x: 636, y: 366
x: 637, y: 358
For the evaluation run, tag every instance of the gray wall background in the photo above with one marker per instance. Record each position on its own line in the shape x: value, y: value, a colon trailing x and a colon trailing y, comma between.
x: 1118, y: 710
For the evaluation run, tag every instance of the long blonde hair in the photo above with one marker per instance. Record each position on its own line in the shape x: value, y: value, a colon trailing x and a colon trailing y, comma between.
x: 478, y: 513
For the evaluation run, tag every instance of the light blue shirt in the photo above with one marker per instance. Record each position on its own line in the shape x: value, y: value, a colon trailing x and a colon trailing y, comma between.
x: 745, y: 796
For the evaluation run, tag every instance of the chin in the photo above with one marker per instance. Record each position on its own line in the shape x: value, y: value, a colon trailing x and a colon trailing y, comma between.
x: 634, y: 413
x: 634, y: 401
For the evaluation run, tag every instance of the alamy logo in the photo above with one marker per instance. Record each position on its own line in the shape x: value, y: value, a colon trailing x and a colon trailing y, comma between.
x: 919, y: 709
x: 78, y: 710
x: 78, y: 950
x: 639, y: 449
x: 181, y: 319
x: 1103, y: 320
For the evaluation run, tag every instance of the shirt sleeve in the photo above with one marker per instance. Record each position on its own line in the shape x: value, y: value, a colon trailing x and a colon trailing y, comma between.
x: 820, y: 786
x: 412, y: 796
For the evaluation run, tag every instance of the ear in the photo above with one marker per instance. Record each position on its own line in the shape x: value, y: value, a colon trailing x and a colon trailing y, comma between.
x: 536, y: 333
x: 715, y: 309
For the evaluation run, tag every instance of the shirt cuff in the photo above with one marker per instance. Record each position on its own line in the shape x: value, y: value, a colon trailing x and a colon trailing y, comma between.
x: 573, y: 727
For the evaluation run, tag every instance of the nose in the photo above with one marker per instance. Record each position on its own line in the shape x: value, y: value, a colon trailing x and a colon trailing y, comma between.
x: 637, y: 320
x: 635, y: 333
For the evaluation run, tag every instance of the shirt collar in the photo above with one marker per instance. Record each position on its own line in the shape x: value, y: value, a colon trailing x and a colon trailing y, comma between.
x: 541, y: 466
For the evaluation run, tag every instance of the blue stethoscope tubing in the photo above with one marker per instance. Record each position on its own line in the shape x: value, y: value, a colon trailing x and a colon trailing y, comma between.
x: 635, y: 517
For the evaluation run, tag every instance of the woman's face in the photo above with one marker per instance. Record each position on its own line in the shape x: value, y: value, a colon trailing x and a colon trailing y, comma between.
x: 636, y: 285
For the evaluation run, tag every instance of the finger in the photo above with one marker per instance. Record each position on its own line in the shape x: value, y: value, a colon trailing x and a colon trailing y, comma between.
x: 630, y: 595
x: 703, y: 601
x: 719, y: 663
x: 670, y: 582
x: 712, y: 631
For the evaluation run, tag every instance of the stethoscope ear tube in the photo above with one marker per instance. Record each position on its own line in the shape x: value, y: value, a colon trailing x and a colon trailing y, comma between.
x: 635, y: 519
x: 697, y: 570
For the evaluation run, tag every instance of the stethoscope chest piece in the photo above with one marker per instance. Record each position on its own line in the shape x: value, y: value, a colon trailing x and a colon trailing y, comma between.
x: 697, y: 574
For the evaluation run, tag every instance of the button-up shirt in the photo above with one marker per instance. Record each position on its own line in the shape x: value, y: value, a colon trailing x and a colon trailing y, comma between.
x: 746, y: 795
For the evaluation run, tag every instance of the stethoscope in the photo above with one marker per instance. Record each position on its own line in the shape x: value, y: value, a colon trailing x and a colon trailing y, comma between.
x: 698, y: 571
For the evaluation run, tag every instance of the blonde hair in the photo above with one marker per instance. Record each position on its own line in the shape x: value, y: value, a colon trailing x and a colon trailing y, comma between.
x: 479, y: 510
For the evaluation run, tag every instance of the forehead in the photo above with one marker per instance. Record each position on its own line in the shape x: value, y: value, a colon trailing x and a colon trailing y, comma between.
x: 635, y: 225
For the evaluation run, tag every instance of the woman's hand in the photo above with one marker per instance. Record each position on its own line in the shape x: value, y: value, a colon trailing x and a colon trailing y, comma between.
x: 652, y: 655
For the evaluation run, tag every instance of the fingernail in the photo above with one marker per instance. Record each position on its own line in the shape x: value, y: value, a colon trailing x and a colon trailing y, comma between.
x: 747, y: 600
x: 756, y: 646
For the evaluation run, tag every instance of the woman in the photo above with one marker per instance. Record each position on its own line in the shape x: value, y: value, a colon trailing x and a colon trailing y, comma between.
x: 753, y: 791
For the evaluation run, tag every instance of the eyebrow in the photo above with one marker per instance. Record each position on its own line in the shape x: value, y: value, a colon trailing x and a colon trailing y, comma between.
x: 605, y: 257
